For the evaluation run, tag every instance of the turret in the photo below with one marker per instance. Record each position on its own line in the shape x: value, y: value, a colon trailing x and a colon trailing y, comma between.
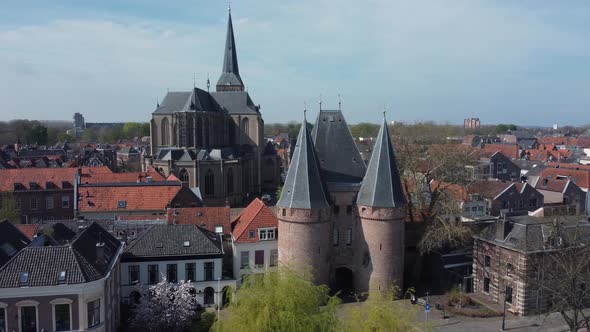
x: 304, y: 213
x: 380, y: 204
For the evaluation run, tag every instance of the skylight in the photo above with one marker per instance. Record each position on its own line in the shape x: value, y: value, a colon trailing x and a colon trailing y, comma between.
x: 24, y: 279
x: 121, y: 204
x: 187, y: 243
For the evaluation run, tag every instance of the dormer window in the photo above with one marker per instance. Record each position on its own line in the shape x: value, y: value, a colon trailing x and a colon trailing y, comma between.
x: 24, y: 279
x: 121, y: 204
x: 65, y: 185
x: 61, y: 278
x: 266, y: 234
x: 218, y: 229
x: 49, y: 185
x: 18, y: 186
x: 33, y: 185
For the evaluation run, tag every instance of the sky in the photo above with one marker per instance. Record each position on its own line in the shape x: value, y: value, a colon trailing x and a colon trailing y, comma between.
x: 504, y: 61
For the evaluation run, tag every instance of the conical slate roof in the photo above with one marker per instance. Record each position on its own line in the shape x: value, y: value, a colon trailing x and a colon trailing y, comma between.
x: 303, y: 188
x: 381, y: 186
x: 230, y: 76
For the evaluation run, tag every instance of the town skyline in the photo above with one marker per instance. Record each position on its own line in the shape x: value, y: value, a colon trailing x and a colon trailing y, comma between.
x: 114, y: 61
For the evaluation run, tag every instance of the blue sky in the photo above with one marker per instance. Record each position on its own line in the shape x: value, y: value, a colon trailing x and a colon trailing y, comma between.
x: 525, y: 62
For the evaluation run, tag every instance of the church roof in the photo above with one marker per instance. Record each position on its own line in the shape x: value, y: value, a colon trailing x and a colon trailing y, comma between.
x: 381, y: 186
x: 339, y: 157
x: 303, y: 187
x: 235, y: 102
x: 230, y: 75
x: 190, y: 101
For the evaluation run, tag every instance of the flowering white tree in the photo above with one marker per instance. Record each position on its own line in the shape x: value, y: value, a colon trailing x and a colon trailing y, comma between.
x: 164, y: 307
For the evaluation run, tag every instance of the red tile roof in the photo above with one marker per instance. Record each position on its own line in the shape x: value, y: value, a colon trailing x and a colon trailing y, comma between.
x: 572, y: 141
x: 90, y: 176
x: 29, y: 230
x: 580, y: 177
x: 256, y: 215
x: 206, y: 217
x: 551, y: 185
x: 24, y: 176
x: 137, y: 197
x: 489, y: 189
x: 509, y: 150
x: 569, y: 166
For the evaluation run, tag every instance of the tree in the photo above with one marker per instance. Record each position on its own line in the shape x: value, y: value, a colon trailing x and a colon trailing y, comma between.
x: 8, y: 207
x: 63, y: 137
x: 131, y: 130
x: 164, y: 307
x: 281, y: 300
x: 502, y: 128
x: 37, y: 134
x: 145, y: 129
x: 364, y: 129
x: 88, y: 136
x: 378, y: 313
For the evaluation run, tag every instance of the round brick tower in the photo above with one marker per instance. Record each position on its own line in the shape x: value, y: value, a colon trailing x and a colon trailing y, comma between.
x: 380, y: 205
x: 304, y: 214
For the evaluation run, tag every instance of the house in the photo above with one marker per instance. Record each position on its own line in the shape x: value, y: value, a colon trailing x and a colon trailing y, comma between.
x: 129, y: 158
x: 42, y: 193
x: 580, y: 176
x: 509, y: 258
x: 507, y: 197
x: 176, y: 252
x: 110, y: 200
x: 70, y: 287
x: 561, y: 196
x: 525, y: 140
x: 214, y: 219
x: 12, y: 240
x: 254, y: 240
x: 492, y: 164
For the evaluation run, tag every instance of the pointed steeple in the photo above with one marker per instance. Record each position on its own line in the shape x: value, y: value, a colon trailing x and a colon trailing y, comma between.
x: 230, y: 79
x: 303, y: 187
x: 381, y: 186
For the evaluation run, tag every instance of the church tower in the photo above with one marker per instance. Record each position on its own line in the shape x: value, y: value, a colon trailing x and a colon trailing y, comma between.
x: 380, y: 204
x: 230, y: 79
x: 304, y: 213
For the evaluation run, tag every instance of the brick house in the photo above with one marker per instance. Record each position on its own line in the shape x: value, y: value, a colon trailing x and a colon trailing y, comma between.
x: 494, y: 164
x: 254, y: 240
x: 507, y: 197
x: 43, y: 194
x: 506, y: 266
x: 561, y: 196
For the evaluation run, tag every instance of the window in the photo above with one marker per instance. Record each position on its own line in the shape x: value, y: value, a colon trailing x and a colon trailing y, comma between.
x: 17, y: 203
x: 28, y: 319
x: 171, y: 273
x: 49, y: 202
x: 33, y: 204
x: 153, y: 274
x: 487, y: 261
x: 209, y: 266
x: 190, y: 269
x: 244, y: 259
x: 533, y: 202
x: 486, y: 284
x: 349, y: 209
x: 246, y: 127
x: 336, y: 209
x: 508, y: 295
x: 24, y: 279
x: 183, y: 175
x: 265, y: 234
x: 251, y: 233
x: 521, y: 204
x: 274, y: 257
x: 209, y: 183
x: 121, y: 204
x: 335, y: 237
x: 93, y: 313
x: 3, y: 320
x: 259, y: 258
x: 186, y: 244
x: 61, y: 277
x: 134, y: 274
x: 466, y: 209
x: 509, y: 269
x: 62, y: 317
x: 165, y: 132
x: 506, y: 204
x: 349, y: 237
x: 65, y: 202
x: 219, y: 229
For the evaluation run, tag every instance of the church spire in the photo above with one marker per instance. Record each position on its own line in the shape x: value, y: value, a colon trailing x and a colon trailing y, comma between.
x: 230, y: 79
x: 303, y: 187
x: 381, y: 186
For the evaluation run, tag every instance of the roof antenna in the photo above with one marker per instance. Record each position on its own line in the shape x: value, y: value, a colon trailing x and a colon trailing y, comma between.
x: 304, y: 112
x: 320, y: 102
x: 229, y: 6
x: 208, y: 82
x: 157, y: 102
x: 194, y: 80
x: 339, y: 103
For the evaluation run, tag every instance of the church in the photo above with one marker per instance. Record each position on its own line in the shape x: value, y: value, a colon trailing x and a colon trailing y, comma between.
x: 214, y: 140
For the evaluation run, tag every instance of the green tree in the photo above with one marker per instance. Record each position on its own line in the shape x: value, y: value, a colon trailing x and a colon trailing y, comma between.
x: 88, y: 136
x: 364, y: 129
x: 378, y: 313
x: 502, y: 128
x: 145, y: 129
x: 37, y: 134
x: 281, y: 300
x: 131, y: 130
x: 8, y: 207
x: 63, y: 137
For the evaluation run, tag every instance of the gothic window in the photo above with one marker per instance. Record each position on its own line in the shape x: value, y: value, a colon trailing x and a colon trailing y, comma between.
x: 199, y: 131
x: 246, y: 128
x: 230, y: 181
x: 207, y: 132
x: 183, y: 175
x: 209, y: 183
x: 165, y: 132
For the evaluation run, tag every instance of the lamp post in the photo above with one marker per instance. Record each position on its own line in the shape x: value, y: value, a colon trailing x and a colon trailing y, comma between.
x: 218, y: 297
x: 504, y: 315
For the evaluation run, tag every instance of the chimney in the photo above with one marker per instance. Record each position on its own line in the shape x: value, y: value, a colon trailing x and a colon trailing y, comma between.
x: 503, y: 228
